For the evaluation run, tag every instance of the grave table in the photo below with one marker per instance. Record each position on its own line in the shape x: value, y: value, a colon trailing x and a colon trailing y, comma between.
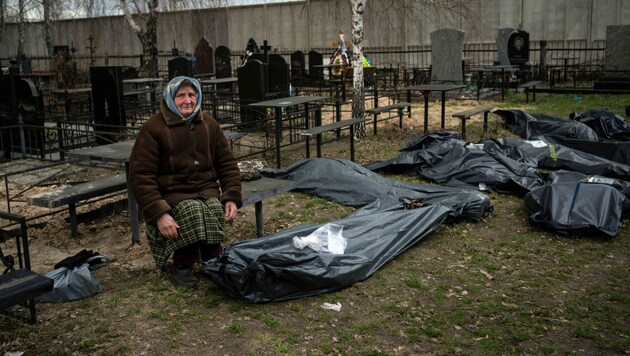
x: 284, y: 103
x: 426, y: 91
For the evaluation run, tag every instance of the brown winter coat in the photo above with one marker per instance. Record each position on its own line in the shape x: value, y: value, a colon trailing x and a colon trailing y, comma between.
x: 172, y: 161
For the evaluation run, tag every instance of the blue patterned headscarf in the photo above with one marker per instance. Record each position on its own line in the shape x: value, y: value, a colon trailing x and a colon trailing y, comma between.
x: 171, y: 89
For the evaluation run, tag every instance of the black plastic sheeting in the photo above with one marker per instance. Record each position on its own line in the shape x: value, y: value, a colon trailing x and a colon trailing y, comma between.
x: 614, y: 151
x: 271, y: 269
x: 573, y: 203
x: 447, y: 160
x: 533, y: 126
x: 555, y: 157
x: 605, y: 123
x: 517, y: 166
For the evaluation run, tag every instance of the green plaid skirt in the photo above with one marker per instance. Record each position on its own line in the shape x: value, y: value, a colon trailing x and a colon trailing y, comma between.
x: 198, y: 220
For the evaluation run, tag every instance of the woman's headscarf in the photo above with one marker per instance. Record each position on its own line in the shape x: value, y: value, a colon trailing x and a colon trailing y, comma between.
x: 171, y: 89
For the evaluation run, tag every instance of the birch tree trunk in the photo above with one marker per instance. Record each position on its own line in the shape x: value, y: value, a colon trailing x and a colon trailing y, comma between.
x: 358, y: 93
x: 21, y: 32
x: 48, y: 26
x: 2, y: 11
x: 147, y: 36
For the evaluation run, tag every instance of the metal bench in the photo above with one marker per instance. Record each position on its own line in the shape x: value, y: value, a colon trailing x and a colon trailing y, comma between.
x: 73, y: 194
x: 530, y: 86
x: 319, y: 130
x: 465, y: 115
x: 399, y: 107
x: 19, y: 286
x: 256, y: 191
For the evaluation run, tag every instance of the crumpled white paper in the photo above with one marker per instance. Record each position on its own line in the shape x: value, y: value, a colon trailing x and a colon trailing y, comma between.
x: 329, y: 306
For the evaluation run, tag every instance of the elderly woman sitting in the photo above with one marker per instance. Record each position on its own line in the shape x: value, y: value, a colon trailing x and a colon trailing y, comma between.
x: 186, y: 181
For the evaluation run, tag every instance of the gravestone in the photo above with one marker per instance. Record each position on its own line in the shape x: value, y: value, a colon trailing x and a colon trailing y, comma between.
x: 107, y: 97
x: 298, y: 68
x: 180, y: 66
x: 204, y: 54
x: 447, y: 49
x: 315, y: 58
x: 616, y: 74
x: 278, y: 75
x: 252, y: 84
x: 18, y: 96
x: 512, y: 46
x: 223, y: 61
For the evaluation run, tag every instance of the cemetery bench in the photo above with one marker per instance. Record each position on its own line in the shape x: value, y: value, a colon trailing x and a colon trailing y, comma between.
x: 256, y: 191
x: 79, y: 192
x: 317, y: 131
x: 531, y: 85
x: 398, y: 107
x: 19, y: 286
x: 465, y: 115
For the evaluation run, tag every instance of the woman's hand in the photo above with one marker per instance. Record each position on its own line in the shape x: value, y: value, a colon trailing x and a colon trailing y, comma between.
x: 230, y: 212
x: 167, y: 226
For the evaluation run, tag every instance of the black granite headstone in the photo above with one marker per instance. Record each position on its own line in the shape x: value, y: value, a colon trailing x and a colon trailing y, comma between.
x: 518, y: 48
x: 298, y: 68
x: 180, y: 66
x: 204, y: 54
x: 278, y: 75
x: 107, y: 97
x: 20, y: 100
x: 512, y: 46
x: 252, y: 84
x: 223, y: 62
x: 315, y: 58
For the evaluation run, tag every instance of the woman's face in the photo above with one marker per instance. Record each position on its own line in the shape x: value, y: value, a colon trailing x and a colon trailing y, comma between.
x: 186, y: 100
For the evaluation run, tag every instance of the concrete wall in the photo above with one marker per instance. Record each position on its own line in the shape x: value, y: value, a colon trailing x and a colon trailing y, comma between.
x: 313, y: 24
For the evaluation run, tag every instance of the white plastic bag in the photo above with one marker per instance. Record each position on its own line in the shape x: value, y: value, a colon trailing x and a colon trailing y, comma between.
x: 326, y: 239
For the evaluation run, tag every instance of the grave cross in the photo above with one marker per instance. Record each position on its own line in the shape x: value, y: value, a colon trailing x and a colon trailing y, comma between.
x: 91, y: 47
x: 266, y: 48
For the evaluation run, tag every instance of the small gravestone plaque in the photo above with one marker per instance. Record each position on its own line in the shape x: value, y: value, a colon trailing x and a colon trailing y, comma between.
x: 204, y: 55
x: 447, y: 49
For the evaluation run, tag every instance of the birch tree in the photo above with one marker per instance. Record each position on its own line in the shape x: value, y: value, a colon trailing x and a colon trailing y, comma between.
x: 358, y: 93
x: 48, y: 15
x: 21, y: 30
x: 146, y: 35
